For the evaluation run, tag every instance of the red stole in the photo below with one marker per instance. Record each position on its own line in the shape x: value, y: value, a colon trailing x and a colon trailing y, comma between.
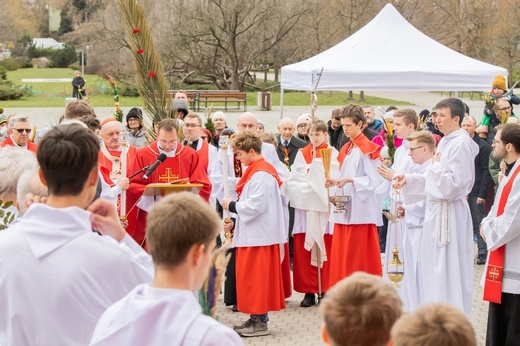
x: 258, y: 165
x: 308, y: 154
x: 363, y: 144
x: 495, y: 268
x: 203, y: 153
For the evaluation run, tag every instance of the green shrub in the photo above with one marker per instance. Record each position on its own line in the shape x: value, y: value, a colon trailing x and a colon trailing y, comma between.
x: 75, y: 66
x: 3, y: 73
x: 10, y: 93
x: 11, y: 64
x: 64, y: 57
x: 128, y: 90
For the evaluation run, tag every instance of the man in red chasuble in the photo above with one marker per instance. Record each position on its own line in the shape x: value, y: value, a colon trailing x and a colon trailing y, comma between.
x: 181, y: 162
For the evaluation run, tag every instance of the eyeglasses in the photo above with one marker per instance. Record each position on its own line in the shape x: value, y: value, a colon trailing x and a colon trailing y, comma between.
x: 191, y: 125
x: 302, y: 126
x: 23, y: 130
x: 133, y: 120
x: 504, y: 109
x: 412, y: 149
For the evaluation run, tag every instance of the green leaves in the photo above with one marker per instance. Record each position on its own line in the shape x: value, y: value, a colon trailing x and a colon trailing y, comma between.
x: 6, y: 217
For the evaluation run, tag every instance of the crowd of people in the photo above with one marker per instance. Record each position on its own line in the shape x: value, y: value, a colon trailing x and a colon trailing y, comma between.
x: 72, y: 271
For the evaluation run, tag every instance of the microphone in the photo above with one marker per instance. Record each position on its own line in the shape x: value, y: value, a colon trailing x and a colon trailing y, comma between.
x: 153, y: 167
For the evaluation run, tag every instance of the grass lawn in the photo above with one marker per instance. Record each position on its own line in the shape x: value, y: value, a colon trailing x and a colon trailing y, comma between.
x: 53, y: 94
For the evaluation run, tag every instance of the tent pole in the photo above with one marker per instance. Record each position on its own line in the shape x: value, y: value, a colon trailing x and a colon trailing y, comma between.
x: 281, y: 104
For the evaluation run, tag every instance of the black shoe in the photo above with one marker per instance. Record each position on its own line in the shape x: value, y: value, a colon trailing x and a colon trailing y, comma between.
x: 234, y: 308
x: 481, y: 259
x: 308, y: 301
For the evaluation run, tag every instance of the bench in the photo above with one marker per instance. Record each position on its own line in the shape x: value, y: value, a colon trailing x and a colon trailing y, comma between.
x: 204, y: 98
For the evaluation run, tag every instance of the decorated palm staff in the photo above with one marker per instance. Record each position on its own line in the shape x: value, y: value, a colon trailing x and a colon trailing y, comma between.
x: 224, y: 145
x: 123, y: 138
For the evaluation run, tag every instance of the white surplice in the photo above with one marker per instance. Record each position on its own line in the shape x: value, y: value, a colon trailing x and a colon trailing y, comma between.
x: 307, y: 193
x: 57, y: 276
x: 260, y: 218
x: 505, y: 230
x: 413, y: 228
x: 156, y: 317
x: 446, y: 255
x: 367, y: 197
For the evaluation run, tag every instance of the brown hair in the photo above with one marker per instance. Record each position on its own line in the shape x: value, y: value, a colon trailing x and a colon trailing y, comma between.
x: 269, y: 138
x: 168, y: 124
x: 335, y: 114
x: 409, y: 116
x: 320, y: 126
x: 92, y: 123
x: 246, y: 141
x: 67, y: 154
x: 175, y: 224
x: 510, y: 135
x: 354, y: 112
x: 423, y: 137
x: 432, y: 325
x: 79, y: 108
x: 360, y: 310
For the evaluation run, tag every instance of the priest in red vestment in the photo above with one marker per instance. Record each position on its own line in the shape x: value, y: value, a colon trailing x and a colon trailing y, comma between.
x: 181, y: 162
x: 19, y: 131
x: 109, y: 159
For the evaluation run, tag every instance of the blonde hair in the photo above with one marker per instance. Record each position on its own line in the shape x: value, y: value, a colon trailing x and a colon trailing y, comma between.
x: 432, y: 325
x: 269, y: 138
x: 360, y: 310
x: 175, y: 224
x: 423, y: 137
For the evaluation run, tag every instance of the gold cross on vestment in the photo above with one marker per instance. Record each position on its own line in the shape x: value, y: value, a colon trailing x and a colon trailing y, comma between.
x: 494, y: 274
x: 168, y: 177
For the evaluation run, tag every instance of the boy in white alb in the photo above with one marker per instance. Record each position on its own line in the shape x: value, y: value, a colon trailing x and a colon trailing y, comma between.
x: 180, y: 231
x: 308, y: 195
x: 258, y: 235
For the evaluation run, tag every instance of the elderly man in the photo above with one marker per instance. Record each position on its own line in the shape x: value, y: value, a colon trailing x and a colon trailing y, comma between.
x: 288, y: 145
x: 478, y: 194
x: 19, y: 131
x: 13, y: 162
x: 110, y: 154
x: 29, y: 182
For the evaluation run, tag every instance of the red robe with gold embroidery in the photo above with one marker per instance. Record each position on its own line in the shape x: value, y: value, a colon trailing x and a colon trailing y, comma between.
x: 185, y: 164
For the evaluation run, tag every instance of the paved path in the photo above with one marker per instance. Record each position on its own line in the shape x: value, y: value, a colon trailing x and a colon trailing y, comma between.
x: 301, y: 326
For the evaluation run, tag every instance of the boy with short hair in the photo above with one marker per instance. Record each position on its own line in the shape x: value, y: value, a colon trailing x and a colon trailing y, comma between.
x: 311, y: 232
x: 258, y: 235
x: 360, y: 310
x: 432, y: 325
x: 181, y: 231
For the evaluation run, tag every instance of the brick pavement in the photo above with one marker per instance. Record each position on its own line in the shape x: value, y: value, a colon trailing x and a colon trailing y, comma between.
x: 301, y: 326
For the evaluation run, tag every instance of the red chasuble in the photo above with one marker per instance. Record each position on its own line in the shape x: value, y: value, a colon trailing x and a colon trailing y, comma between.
x: 9, y: 143
x: 495, y: 267
x: 185, y: 164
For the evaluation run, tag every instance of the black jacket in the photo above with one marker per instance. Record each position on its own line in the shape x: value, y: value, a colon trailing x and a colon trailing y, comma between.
x: 334, y: 135
x: 370, y: 134
x: 295, y: 144
x: 482, y: 175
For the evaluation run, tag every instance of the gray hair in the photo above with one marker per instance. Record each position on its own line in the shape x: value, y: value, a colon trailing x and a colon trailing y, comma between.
x: 29, y: 182
x: 18, y: 118
x: 13, y: 162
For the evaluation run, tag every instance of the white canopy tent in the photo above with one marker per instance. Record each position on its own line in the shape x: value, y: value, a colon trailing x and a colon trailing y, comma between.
x: 390, y: 54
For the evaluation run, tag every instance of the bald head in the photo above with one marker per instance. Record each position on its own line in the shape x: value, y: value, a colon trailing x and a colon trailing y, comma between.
x: 247, y: 122
x: 110, y: 133
x: 470, y: 125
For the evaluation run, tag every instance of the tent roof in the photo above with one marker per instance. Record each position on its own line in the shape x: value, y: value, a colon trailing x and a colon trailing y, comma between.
x: 390, y: 54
